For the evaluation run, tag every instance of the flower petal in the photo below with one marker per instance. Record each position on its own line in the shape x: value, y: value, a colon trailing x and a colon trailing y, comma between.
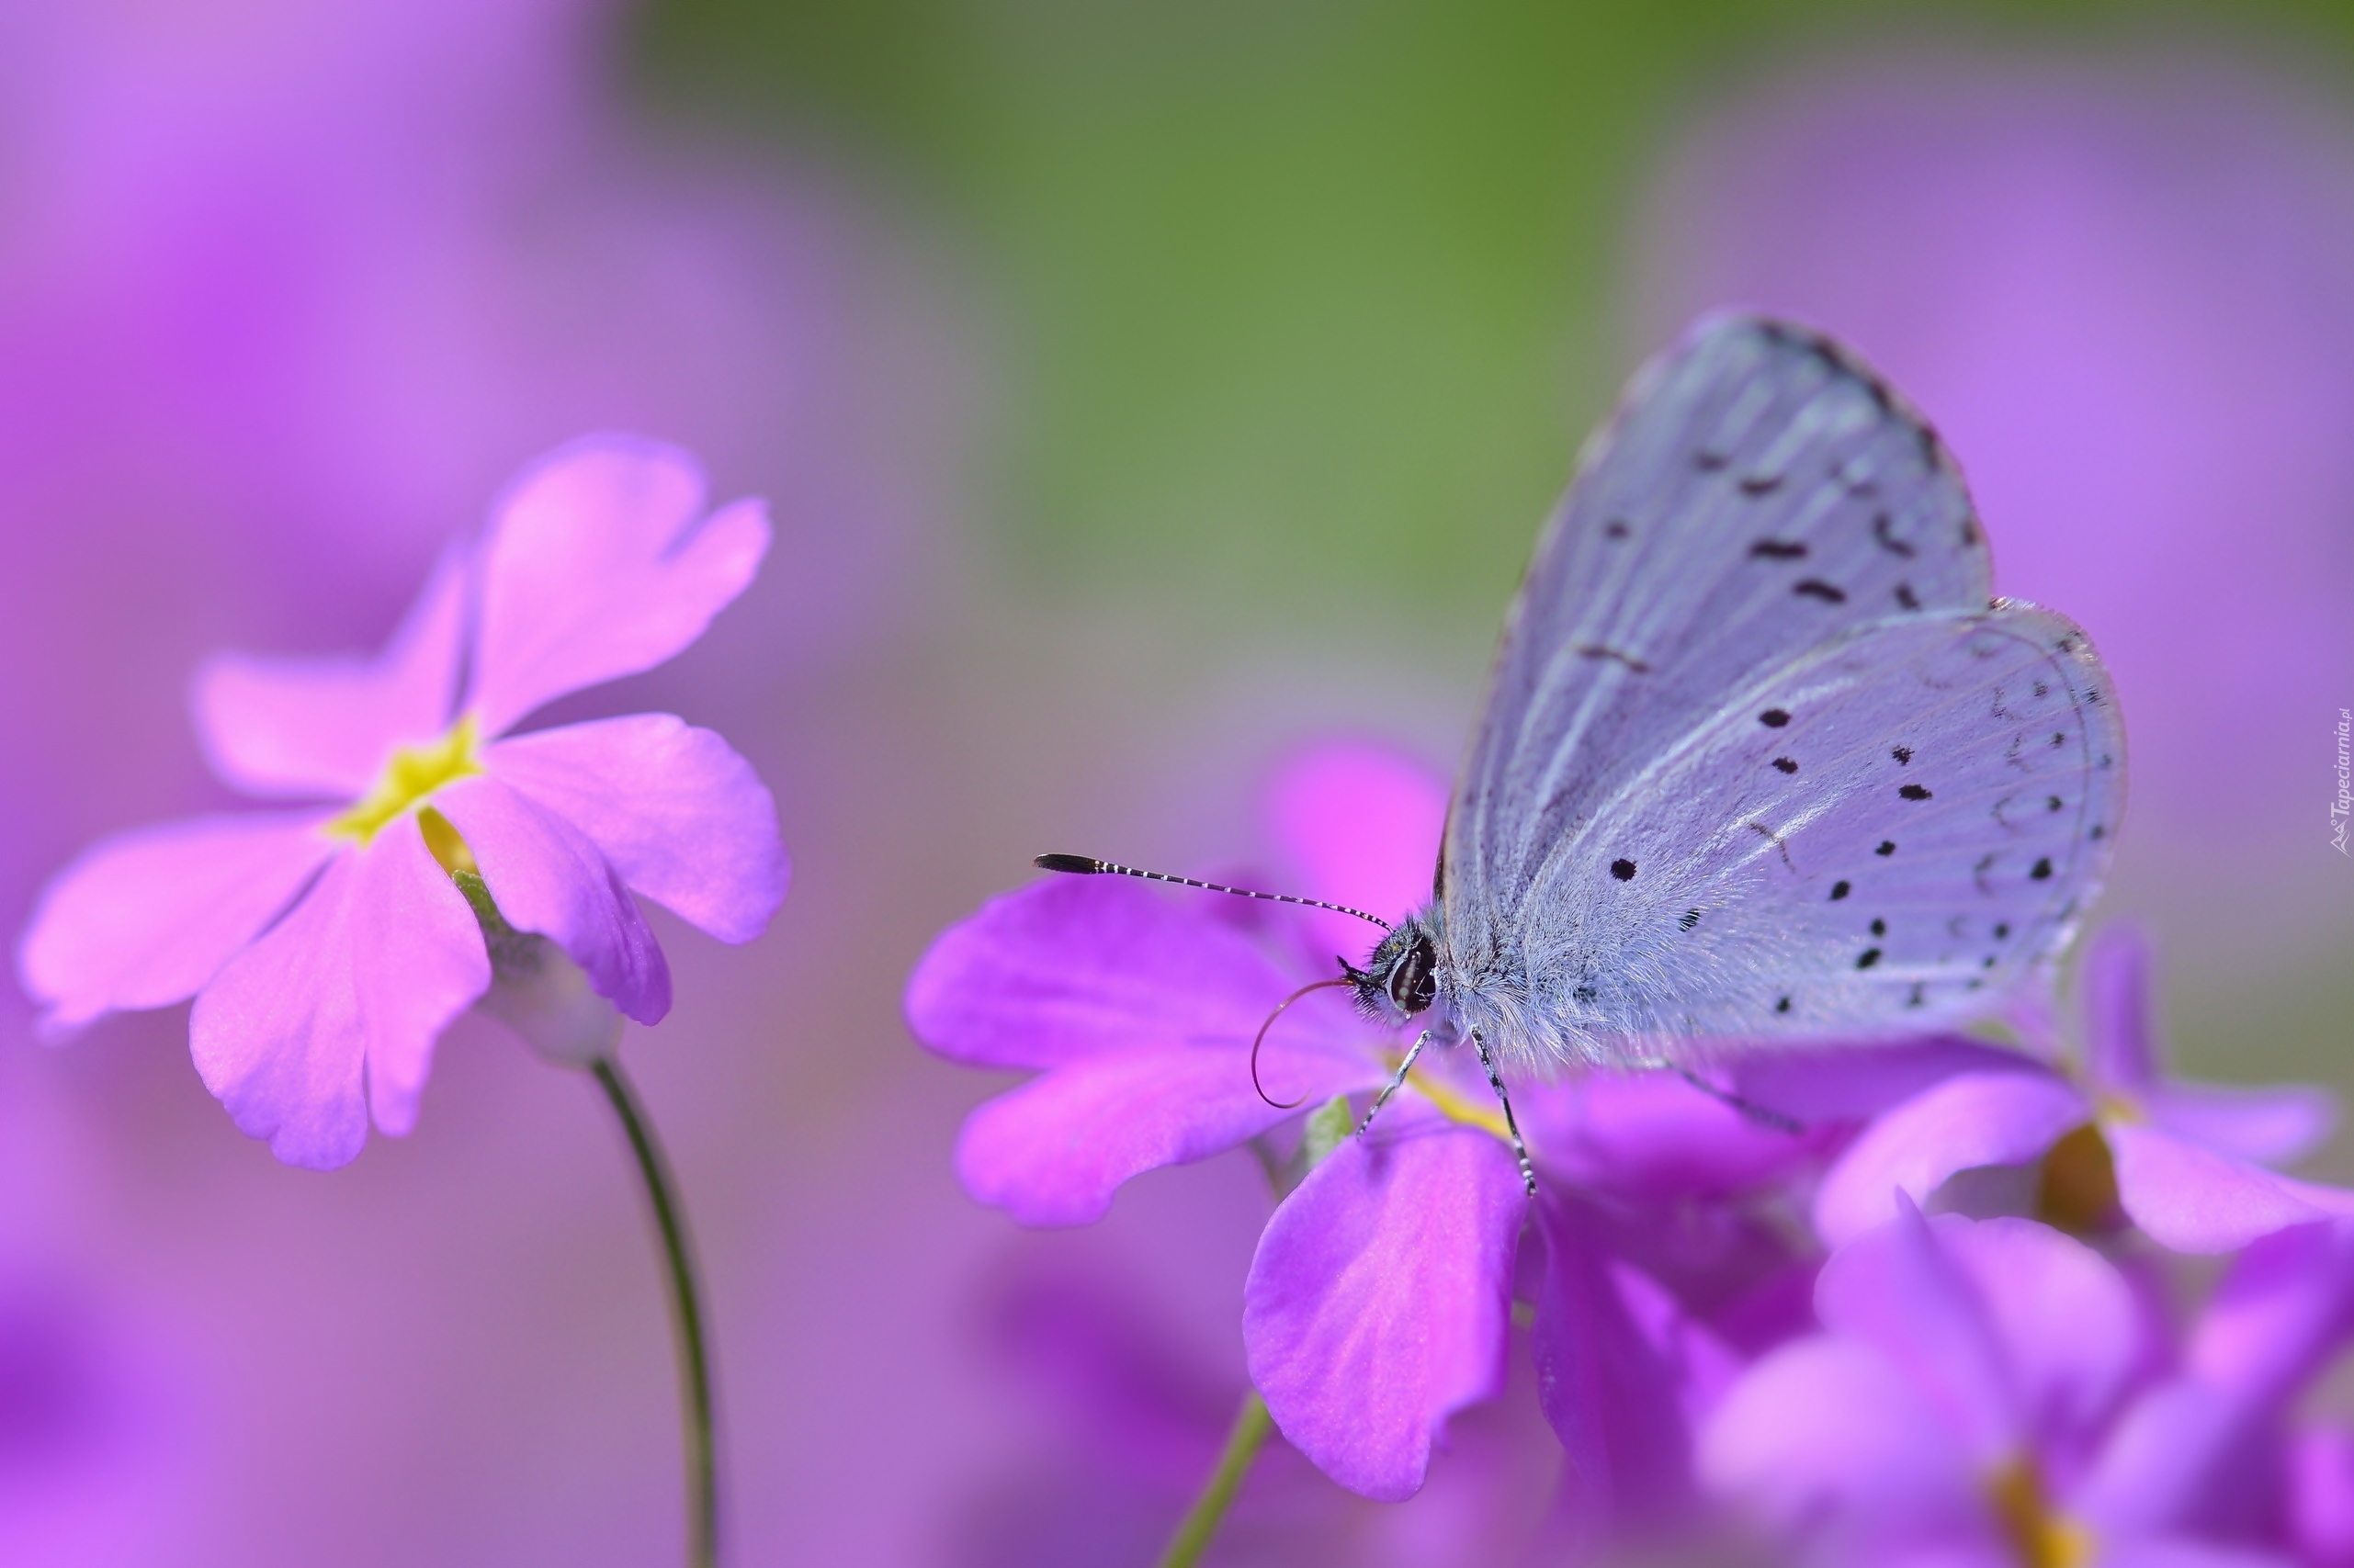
x: 1380, y: 1298
x: 1359, y: 824
x: 145, y: 918
x: 2276, y: 1125
x: 303, y: 727
x: 1624, y: 1374
x: 418, y: 962
x: 2117, y: 994
x: 2065, y: 1323
x: 1052, y: 1152
x: 2321, y: 1495
x: 1993, y: 1118
x: 599, y: 564
x: 1071, y: 965
x: 547, y: 877
x: 2194, y: 1199
x: 2278, y: 1316
x: 1903, y: 1288
x: 681, y: 817
x: 1829, y: 1435
x: 356, y: 982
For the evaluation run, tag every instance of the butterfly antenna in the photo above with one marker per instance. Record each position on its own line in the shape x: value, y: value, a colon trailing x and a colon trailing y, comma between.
x: 1083, y: 866
x: 1282, y: 1104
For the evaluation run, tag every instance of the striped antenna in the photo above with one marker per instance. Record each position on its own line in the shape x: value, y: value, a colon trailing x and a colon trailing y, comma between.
x: 1083, y: 866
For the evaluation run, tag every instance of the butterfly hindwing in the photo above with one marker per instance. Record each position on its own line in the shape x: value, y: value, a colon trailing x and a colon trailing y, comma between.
x: 1883, y: 834
x: 1758, y: 493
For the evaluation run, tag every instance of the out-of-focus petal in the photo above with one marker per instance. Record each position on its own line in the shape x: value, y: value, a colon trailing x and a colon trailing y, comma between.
x: 1379, y: 1299
x: 277, y: 1036
x: 1624, y: 1374
x: 145, y: 918
x: 2278, y: 1316
x: 674, y: 808
x: 599, y: 564
x: 1652, y: 1136
x: 1052, y: 1152
x: 1903, y: 1289
x: 1853, y: 1083
x: 2276, y: 1125
x: 1999, y: 1118
x: 2162, y: 1552
x: 2184, y: 1458
x: 2066, y: 1323
x: 2117, y: 1002
x: 2194, y: 1200
x: 2321, y: 1497
x: 547, y: 877
x: 298, y: 727
x: 1359, y: 824
x: 346, y: 995
x: 1071, y: 965
x: 1829, y: 1437
x: 417, y: 959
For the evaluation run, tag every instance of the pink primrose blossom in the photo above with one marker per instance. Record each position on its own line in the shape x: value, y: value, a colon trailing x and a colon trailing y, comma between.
x: 328, y: 944
x: 2190, y: 1162
x: 1380, y: 1299
x: 1993, y: 1392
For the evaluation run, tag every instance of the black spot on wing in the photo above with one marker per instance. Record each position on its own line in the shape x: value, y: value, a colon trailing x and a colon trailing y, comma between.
x: 1778, y: 549
x: 1887, y: 540
x: 1913, y: 792
x: 2043, y: 870
x: 1907, y: 597
x: 1867, y: 958
x: 1904, y: 755
x: 1887, y: 847
x: 1773, y: 718
x: 1839, y: 891
x: 1761, y: 484
x: 1879, y: 927
x: 1782, y: 1004
x: 1815, y: 588
x: 1622, y: 869
x: 1615, y: 529
x: 1785, y: 764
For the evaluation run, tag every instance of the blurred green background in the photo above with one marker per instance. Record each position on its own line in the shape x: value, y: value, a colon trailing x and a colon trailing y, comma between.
x: 1307, y: 303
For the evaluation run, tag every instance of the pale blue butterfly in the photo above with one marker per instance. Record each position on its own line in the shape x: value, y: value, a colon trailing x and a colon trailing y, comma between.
x: 1761, y: 760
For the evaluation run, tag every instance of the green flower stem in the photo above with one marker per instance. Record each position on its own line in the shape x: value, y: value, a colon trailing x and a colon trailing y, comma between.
x: 686, y: 1317
x: 1243, y: 1441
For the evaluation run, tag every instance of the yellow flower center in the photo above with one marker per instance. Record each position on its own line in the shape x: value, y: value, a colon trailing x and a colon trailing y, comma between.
x: 409, y: 778
x: 1455, y: 1106
x: 2041, y: 1538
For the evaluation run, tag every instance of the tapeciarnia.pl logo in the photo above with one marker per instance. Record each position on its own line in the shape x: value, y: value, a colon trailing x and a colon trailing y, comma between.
x: 2340, y: 808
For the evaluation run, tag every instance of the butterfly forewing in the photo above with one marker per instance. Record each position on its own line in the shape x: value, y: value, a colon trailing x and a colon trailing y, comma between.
x: 1758, y: 494
x: 1883, y: 834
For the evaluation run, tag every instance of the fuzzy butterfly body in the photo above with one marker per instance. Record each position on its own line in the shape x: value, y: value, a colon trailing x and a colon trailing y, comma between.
x: 1760, y: 759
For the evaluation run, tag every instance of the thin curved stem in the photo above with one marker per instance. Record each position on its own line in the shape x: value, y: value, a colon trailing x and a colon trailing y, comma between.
x: 1243, y: 1441
x: 686, y: 1317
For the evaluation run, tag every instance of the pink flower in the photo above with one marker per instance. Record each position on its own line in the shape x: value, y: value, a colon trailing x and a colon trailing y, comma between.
x: 329, y: 944
x: 2190, y: 1163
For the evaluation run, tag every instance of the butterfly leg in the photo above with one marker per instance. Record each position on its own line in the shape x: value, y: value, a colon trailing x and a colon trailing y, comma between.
x: 1496, y: 1082
x: 1749, y: 1108
x: 1396, y: 1080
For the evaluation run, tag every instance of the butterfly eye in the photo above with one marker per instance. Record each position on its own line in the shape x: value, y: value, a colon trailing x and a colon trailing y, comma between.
x: 1412, y: 983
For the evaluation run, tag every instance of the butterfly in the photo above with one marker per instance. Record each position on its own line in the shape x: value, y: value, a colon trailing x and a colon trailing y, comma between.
x: 1762, y: 759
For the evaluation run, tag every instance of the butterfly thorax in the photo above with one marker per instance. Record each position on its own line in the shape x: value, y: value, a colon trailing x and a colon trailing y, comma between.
x: 1417, y: 976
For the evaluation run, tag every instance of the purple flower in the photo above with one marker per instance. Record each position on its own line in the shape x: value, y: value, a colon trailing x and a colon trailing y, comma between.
x: 1962, y: 1405
x: 1379, y: 1302
x: 327, y: 946
x: 2186, y: 1162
